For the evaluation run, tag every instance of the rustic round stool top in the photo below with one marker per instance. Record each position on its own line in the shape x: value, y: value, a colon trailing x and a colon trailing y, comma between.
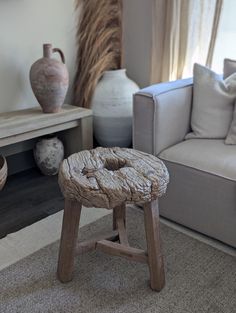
x: 108, y: 177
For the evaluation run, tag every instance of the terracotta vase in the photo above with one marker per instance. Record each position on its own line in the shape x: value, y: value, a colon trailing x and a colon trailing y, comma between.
x: 3, y: 172
x: 49, y: 80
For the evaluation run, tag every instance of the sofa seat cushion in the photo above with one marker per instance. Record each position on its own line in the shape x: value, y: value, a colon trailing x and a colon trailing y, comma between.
x: 208, y: 155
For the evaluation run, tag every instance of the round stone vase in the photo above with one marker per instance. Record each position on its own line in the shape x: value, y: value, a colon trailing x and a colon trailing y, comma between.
x: 49, y: 80
x: 48, y: 155
x: 112, y: 106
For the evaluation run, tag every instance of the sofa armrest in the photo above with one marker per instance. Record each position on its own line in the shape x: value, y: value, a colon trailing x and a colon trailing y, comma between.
x: 161, y: 115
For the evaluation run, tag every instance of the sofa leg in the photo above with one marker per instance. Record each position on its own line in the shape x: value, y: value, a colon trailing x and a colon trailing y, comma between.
x: 155, y: 257
x: 69, y: 237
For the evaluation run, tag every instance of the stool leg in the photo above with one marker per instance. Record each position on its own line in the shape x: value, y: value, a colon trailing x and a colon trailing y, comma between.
x: 118, y: 212
x: 155, y: 258
x: 69, y: 235
x: 119, y: 220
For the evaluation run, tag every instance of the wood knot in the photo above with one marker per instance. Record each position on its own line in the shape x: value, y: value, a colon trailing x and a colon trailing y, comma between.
x: 89, y: 172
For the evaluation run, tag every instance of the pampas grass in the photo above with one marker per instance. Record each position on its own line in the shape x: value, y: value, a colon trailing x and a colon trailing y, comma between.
x: 99, y: 41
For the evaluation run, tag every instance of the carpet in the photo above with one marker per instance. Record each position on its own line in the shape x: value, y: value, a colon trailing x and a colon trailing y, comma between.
x: 199, y: 278
x: 18, y: 245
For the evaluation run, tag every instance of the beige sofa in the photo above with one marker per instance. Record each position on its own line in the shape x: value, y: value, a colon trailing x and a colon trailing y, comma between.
x: 202, y: 189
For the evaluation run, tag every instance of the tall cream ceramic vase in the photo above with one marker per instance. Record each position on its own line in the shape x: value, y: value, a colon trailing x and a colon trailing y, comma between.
x: 112, y: 106
x: 49, y: 80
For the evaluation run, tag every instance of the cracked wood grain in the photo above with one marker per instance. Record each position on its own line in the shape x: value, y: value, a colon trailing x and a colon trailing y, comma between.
x: 108, y: 177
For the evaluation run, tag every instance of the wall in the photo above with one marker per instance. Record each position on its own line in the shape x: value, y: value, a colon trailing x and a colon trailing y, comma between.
x: 138, y: 39
x: 24, y: 26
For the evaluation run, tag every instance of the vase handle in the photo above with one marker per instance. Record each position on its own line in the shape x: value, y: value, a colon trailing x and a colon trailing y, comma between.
x: 61, y: 54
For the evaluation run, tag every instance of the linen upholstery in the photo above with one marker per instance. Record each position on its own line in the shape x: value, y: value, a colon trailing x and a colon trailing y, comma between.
x: 201, y: 195
x: 229, y: 67
x: 161, y: 115
x: 201, y: 201
x: 213, y: 103
x: 208, y: 155
x: 231, y: 136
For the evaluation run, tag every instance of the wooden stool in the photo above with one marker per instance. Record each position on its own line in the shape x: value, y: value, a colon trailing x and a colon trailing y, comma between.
x: 110, y: 178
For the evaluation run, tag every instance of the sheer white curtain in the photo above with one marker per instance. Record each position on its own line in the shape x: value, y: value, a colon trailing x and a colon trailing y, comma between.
x: 225, y: 46
x: 184, y: 32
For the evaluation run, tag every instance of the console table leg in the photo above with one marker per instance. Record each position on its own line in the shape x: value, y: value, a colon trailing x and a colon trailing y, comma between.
x: 155, y: 258
x: 78, y: 138
x: 69, y: 237
x: 86, y: 133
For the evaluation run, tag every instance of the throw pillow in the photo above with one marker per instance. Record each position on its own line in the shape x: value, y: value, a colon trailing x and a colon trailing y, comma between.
x: 213, y: 104
x: 229, y: 67
x: 231, y: 137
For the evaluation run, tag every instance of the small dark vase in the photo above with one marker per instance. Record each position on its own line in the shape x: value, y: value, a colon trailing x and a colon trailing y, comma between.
x: 49, y: 80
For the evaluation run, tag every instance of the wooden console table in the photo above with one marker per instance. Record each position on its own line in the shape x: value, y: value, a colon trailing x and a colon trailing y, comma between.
x: 72, y: 124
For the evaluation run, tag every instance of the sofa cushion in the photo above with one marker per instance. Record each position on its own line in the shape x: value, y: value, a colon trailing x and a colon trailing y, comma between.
x: 213, y: 104
x: 231, y: 137
x: 229, y: 67
x: 201, y: 201
x: 208, y: 155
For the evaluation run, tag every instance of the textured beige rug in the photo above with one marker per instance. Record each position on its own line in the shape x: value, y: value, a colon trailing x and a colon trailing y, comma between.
x: 30, y: 239
x: 199, y: 279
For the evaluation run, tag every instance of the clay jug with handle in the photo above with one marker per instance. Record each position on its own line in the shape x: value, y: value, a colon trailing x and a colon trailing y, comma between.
x: 49, y: 80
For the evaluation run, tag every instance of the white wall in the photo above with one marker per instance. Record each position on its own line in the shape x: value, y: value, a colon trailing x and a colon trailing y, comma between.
x: 138, y: 39
x: 24, y: 26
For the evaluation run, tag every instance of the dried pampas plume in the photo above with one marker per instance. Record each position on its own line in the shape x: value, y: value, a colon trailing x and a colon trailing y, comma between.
x: 99, y: 41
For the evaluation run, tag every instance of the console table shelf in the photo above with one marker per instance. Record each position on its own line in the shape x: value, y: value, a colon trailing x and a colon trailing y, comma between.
x: 73, y: 124
x: 18, y: 133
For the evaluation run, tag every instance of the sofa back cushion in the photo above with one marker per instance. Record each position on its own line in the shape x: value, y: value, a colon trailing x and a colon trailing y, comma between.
x: 213, y: 104
x: 231, y: 136
x: 229, y: 67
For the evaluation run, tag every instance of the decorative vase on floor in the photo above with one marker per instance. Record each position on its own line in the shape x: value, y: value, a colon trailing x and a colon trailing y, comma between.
x: 3, y: 172
x: 112, y: 104
x: 49, y: 80
x: 48, y: 154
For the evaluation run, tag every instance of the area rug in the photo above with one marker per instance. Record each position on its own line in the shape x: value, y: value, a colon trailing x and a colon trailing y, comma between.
x: 18, y: 245
x: 199, y: 278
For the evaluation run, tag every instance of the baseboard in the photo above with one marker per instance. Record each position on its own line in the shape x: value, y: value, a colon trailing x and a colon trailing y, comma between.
x: 205, y: 239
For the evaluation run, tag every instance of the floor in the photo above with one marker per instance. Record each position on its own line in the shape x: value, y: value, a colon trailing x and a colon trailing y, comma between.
x: 27, y: 198
x: 30, y: 239
x: 30, y: 217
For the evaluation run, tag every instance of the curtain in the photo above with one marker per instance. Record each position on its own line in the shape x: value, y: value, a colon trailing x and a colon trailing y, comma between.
x: 183, y: 32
